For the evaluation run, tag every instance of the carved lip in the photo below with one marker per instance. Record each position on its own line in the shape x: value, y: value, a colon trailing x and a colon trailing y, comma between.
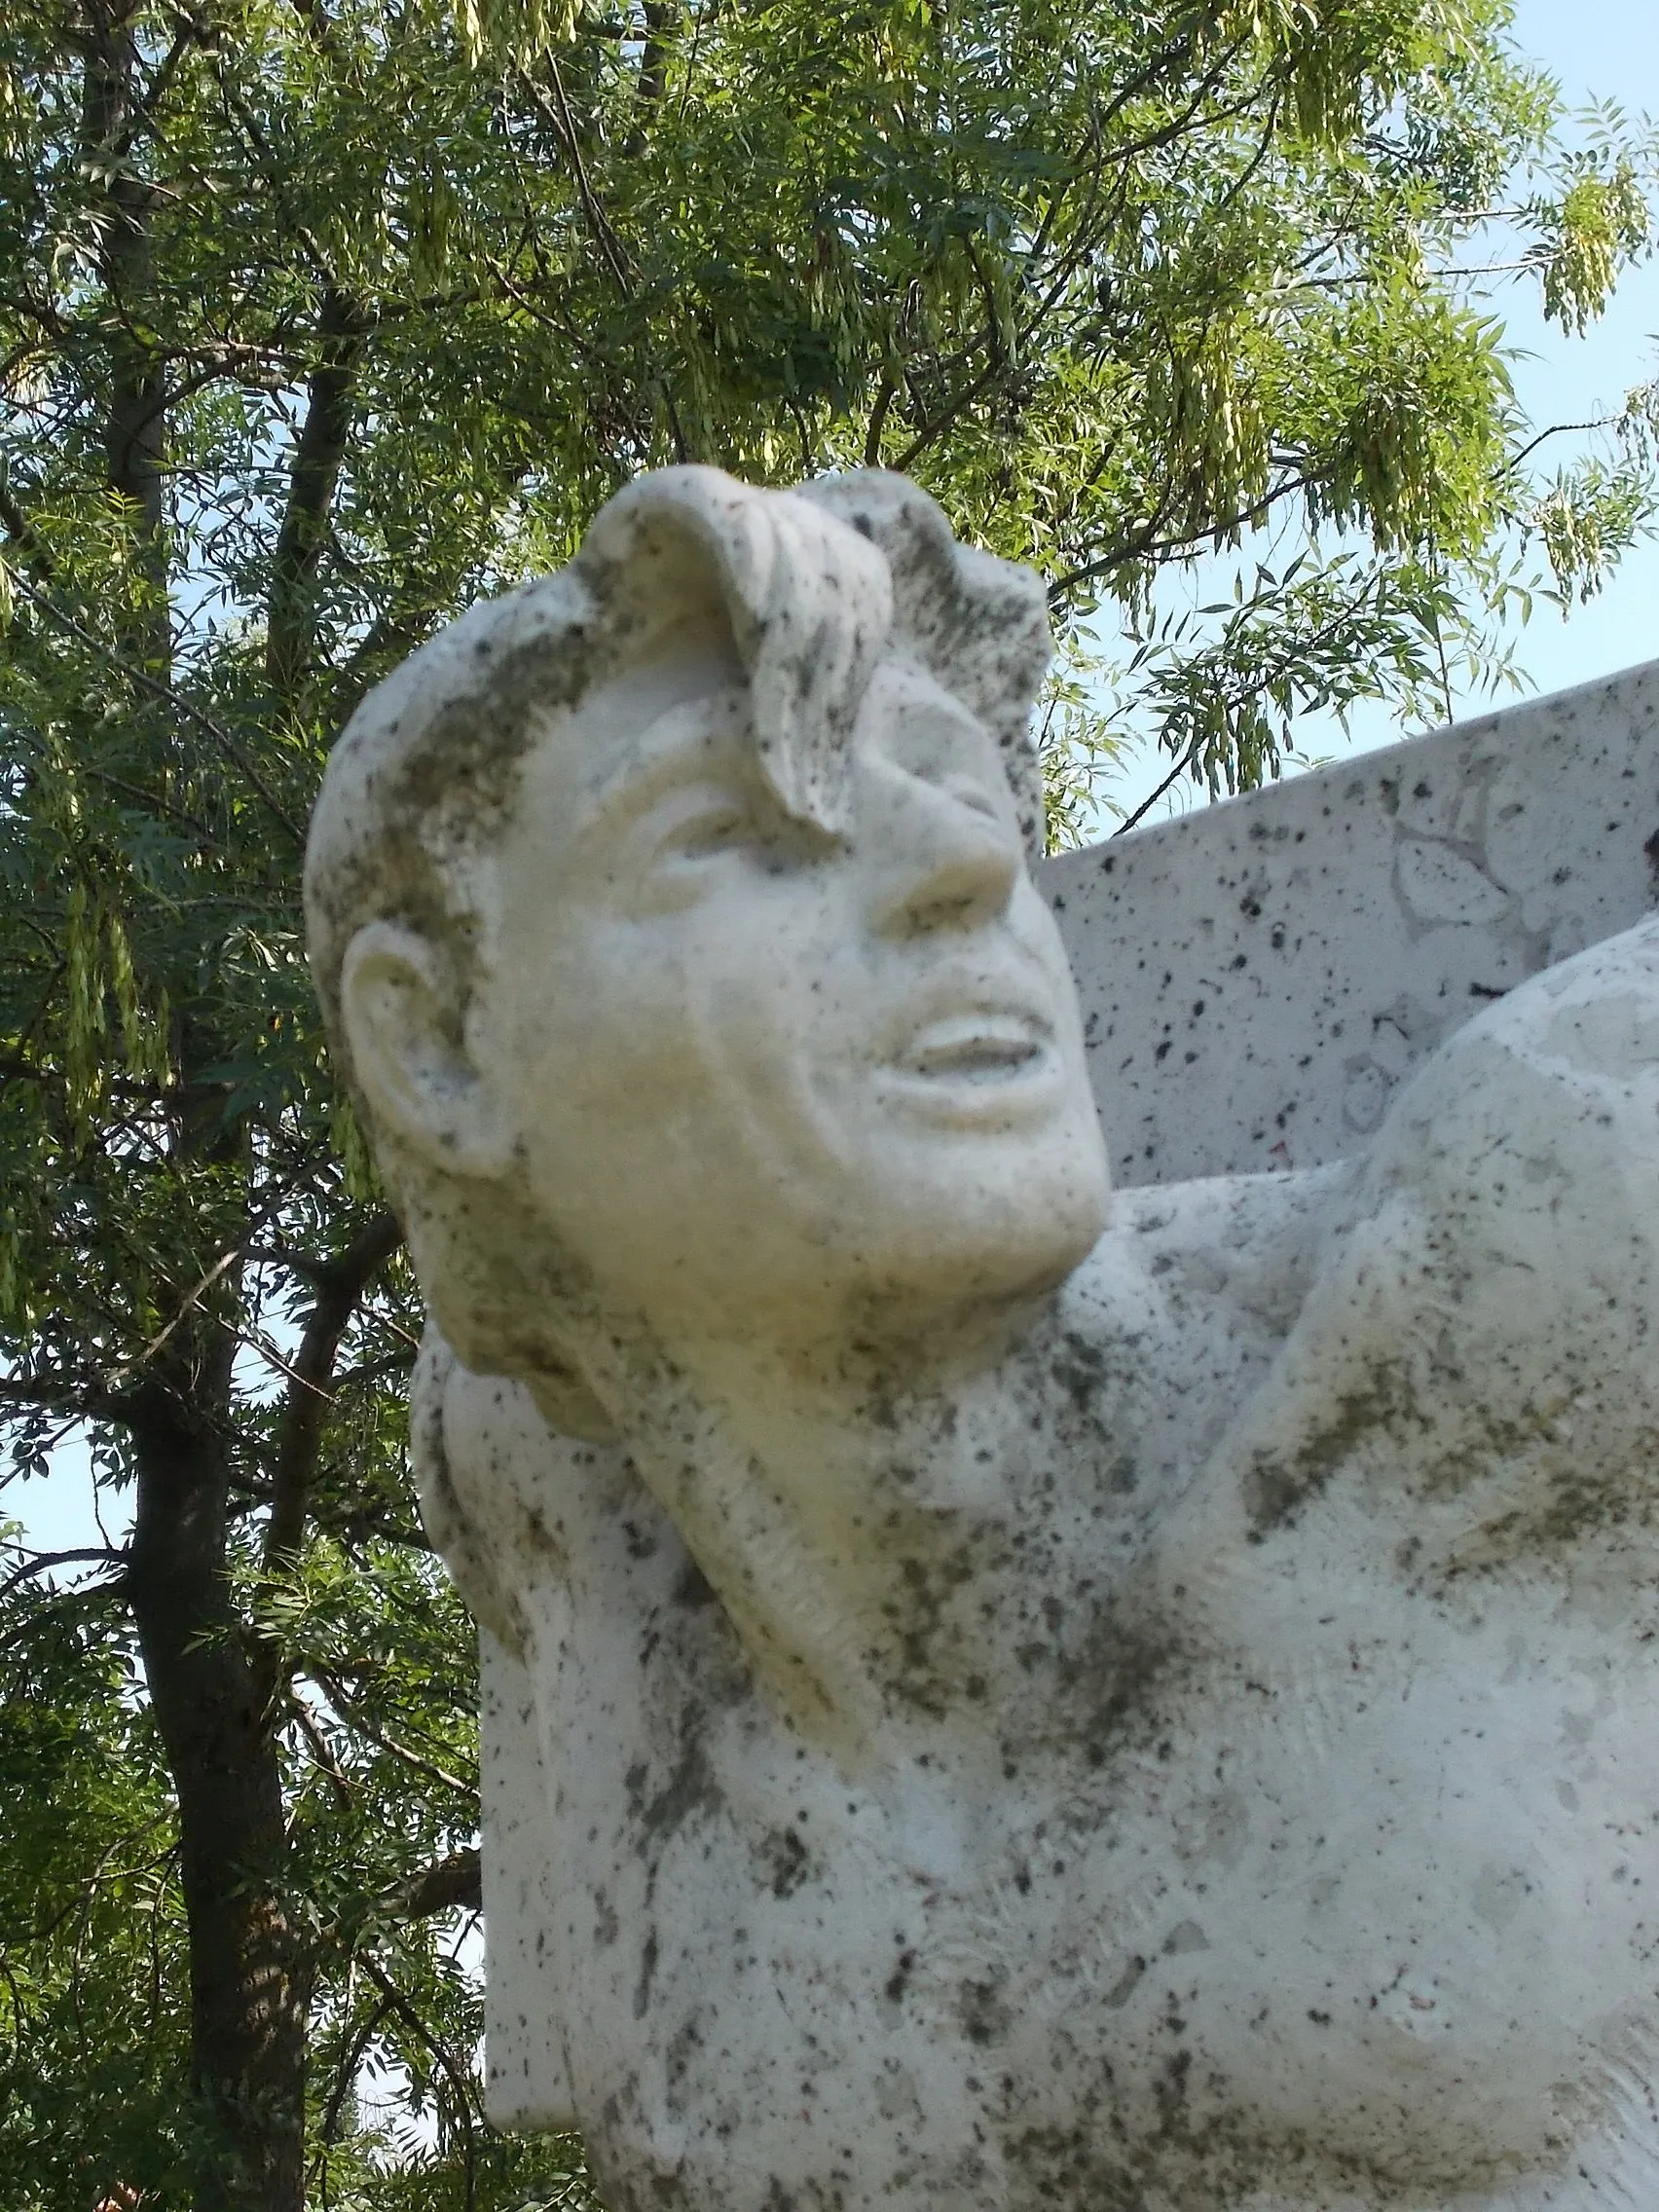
x: 976, y: 1063
x: 978, y: 1047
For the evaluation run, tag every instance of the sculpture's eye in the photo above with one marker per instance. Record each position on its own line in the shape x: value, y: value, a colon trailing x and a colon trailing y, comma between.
x: 975, y: 797
x: 701, y: 823
x: 715, y: 831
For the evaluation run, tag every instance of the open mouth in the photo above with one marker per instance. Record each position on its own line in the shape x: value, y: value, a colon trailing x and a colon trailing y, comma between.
x: 977, y: 1048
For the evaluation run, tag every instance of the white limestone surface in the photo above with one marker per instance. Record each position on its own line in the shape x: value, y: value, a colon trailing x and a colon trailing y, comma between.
x: 999, y: 1694
x: 1258, y: 977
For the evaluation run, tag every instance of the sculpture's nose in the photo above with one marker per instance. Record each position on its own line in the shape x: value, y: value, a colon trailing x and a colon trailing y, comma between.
x: 939, y: 858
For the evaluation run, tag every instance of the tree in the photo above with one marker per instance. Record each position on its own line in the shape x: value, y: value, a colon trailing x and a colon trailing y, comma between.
x: 319, y: 320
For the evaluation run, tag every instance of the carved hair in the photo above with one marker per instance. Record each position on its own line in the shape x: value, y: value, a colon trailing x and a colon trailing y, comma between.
x: 813, y: 585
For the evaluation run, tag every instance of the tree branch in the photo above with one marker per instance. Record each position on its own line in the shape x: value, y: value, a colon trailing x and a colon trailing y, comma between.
x: 448, y: 1882
x: 599, y: 223
x: 62, y: 1602
x: 652, y: 80
x: 322, y: 1758
x: 23, y: 534
x: 340, y: 1288
x: 353, y: 1716
x: 133, y: 425
x: 313, y: 478
x: 43, y: 1562
x: 60, y: 1395
x: 459, y: 2087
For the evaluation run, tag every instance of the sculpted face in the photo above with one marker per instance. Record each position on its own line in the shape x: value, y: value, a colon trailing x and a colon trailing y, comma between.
x: 764, y: 1077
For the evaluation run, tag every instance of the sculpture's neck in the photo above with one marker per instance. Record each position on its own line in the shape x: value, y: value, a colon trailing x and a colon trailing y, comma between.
x: 849, y: 1526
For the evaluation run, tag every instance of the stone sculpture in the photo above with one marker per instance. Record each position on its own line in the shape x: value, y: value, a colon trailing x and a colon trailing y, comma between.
x: 1136, y: 1703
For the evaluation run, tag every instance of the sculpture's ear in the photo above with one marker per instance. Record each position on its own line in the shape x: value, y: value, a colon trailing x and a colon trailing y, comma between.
x: 404, y: 1032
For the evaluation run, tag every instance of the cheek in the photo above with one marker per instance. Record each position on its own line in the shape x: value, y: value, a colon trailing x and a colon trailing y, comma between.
x: 717, y: 1042
x: 751, y: 981
x: 586, y: 1057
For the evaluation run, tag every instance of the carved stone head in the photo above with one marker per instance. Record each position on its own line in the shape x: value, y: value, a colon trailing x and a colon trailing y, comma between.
x: 672, y: 924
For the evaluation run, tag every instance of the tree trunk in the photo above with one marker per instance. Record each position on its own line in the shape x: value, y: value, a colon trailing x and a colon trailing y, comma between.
x: 248, y: 1972
x: 213, y: 1690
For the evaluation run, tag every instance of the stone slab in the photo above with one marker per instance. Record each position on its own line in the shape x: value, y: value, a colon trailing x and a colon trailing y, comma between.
x: 1257, y: 978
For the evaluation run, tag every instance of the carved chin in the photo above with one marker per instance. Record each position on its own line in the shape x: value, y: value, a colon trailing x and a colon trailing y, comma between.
x: 988, y: 1240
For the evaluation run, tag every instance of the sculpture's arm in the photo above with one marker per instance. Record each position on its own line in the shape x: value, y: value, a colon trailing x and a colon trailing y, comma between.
x: 1479, y: 1343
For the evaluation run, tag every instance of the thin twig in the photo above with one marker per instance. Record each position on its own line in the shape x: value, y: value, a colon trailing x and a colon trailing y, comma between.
x: 43, y: 1562
x: 347, y: 1710
x: 459, y: 2084
x: 1169, y: 783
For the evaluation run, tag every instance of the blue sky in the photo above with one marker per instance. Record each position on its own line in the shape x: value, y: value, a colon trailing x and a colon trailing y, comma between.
x: 1598, y: 48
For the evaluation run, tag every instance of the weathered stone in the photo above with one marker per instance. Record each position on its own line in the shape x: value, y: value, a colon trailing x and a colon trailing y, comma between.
x: 1257, y: 978
x: 998, y: 1694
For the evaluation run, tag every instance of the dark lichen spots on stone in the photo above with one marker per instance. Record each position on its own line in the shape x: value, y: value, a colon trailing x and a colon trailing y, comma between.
x: 1111, y: 1680
x: 1276, y: 1486
x: 1080, y: 1366
x: 929, y: 1670
x: 688, y: 1789
x: 682, y: 2044
x: 1169, y: 2086
x: 1574, y: 1508
x: 648, y: 1955
x: 1124, y: 1474
x: 693, y: 1588
x: 784, y: 1861
x: 983, y: 2011
x: 606, y: 1924
x: 1080, y: 2165
x: 642, y: 1543
x: 899, y: 1980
